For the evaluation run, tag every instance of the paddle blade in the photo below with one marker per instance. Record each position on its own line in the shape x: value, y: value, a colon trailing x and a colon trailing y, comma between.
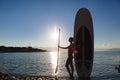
x: 56, y: 70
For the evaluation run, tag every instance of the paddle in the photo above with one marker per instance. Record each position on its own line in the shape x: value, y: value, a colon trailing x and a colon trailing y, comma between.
x: 56, y: 70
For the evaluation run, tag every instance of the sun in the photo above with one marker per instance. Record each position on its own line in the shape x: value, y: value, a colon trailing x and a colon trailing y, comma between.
x: 55, y: 34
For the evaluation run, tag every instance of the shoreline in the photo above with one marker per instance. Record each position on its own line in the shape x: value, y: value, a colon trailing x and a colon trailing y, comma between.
x: 4, y: 49
x: 4, y: 76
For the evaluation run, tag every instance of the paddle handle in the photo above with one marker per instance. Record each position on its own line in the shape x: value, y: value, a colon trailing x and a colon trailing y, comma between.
x: 58, y: 41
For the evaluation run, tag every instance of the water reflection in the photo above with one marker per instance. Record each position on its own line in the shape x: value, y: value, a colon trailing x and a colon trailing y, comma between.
x: 53, y: 60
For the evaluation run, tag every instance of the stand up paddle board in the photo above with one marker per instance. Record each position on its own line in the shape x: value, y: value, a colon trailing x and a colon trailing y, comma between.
x: 84, y: 43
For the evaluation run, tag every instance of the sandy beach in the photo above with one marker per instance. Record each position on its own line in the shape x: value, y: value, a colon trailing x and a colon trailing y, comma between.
x: 18, y: 77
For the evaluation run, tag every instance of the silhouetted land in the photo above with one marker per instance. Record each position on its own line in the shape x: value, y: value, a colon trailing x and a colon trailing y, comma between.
x: 20, y: 49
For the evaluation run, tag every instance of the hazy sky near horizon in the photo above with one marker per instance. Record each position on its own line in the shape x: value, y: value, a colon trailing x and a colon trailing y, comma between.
x: 31, y: 22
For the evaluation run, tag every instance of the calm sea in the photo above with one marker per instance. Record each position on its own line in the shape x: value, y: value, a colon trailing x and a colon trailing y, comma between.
x: 44, y: 64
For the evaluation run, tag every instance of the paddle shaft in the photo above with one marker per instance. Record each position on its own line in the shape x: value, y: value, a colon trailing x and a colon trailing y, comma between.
x: 58, y: 52
x: 58, y: 47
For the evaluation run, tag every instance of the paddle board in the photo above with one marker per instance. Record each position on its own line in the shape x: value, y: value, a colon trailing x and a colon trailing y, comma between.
x: 83, y: 43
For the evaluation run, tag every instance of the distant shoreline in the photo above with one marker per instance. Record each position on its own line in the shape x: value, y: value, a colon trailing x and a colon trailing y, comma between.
x: 4, y: 49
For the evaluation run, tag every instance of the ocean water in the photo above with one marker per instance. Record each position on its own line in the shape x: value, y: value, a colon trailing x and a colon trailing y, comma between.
x: 44, y: 64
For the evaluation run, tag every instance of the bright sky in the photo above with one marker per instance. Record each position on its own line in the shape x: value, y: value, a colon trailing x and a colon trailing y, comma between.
x: 31, y: 22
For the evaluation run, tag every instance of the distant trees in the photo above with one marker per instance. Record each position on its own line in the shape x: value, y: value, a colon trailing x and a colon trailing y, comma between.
x: 20, y: 49
x: 2, y: 46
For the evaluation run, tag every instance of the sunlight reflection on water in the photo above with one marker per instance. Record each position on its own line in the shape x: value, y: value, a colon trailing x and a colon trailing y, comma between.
x: 44, y: 64
x: 54, y: 60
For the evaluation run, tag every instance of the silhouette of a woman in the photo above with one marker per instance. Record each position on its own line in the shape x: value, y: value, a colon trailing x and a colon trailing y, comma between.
x: 69, y: 61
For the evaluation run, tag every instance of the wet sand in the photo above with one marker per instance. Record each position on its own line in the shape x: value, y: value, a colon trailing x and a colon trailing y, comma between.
x: 16, y: 77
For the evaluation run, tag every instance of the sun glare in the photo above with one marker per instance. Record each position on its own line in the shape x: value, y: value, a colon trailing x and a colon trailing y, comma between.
x: 53, y: 60
x: 55, y: 34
